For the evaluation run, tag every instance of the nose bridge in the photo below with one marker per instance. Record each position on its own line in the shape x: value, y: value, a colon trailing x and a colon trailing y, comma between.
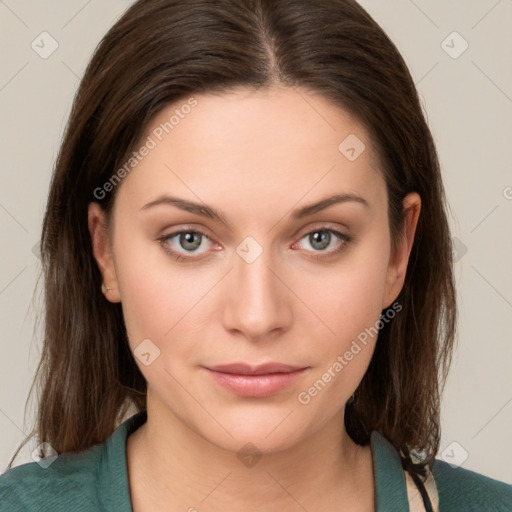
x: 257, y: 301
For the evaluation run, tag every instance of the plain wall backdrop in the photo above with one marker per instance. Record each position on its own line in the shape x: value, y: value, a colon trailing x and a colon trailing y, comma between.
x: 459, y: 54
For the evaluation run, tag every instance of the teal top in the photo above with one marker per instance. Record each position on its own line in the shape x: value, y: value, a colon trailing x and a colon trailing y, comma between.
x: 97, y: 480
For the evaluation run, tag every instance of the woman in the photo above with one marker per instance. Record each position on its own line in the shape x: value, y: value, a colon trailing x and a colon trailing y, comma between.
x: 246, y: 244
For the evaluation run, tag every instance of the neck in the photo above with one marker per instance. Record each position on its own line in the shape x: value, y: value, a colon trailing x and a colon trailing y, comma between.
x: 172, y: 467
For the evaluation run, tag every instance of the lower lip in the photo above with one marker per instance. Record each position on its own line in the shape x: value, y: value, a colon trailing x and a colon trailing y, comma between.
x: 256, y: 385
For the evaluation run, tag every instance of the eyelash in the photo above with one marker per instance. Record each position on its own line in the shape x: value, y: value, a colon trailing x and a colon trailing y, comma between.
x: 345, y: 239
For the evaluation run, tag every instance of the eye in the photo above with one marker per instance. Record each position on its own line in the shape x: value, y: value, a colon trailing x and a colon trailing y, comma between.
x: 323, y: 238
x: 184, y: 244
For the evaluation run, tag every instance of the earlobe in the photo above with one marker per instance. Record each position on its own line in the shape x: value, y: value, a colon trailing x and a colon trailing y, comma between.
x: 399, y: 259
x: 102, y: 251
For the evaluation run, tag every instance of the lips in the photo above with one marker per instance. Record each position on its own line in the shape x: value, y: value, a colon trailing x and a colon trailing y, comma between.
x: 246, y: 369
x: 255, y: 380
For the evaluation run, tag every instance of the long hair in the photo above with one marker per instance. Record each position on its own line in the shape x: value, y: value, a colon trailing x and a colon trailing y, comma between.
x: 163, y: 51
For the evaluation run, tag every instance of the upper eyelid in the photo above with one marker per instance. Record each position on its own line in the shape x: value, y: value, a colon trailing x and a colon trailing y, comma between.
x: 322, y: 226
x: 325, y: 226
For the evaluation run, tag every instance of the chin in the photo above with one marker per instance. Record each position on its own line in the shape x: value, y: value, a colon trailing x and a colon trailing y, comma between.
x: 267, y: 430
x: 257, y: 442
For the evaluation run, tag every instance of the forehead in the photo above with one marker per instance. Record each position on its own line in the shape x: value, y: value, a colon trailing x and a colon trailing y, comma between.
x: 273, y: 147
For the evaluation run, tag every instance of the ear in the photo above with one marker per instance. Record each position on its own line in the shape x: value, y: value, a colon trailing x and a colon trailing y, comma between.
x: 102, y: 251
x: 397, y: 266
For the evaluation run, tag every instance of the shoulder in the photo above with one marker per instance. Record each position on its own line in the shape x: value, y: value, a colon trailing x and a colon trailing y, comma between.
x: 92, y: 480
x: 69, y: 480
x: 450, y: 488
x: 462, y: 489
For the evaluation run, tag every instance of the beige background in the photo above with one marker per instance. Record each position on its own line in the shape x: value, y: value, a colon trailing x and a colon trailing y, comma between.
x: 468, y: 100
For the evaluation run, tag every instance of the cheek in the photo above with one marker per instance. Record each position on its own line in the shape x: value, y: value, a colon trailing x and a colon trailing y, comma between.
x: 348, y: 299
x: 163, y: 302
x: 153, y: 299
x: 347, y: 296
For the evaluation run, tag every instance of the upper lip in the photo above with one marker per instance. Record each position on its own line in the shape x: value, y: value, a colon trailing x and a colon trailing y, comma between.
x: 247, y: 369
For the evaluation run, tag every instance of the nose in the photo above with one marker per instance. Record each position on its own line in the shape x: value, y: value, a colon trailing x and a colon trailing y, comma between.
x: 257, y: 302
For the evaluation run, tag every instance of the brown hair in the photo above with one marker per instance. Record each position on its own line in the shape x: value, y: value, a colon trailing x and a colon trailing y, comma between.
x: 162, y: 51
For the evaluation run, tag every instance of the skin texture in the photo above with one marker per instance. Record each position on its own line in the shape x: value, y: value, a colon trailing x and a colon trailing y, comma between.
x: 255, y: 157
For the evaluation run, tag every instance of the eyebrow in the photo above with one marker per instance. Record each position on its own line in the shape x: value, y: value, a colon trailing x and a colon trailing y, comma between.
x: 207, y: 211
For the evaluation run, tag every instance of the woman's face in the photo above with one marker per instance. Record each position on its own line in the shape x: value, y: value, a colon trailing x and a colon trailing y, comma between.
x: 260, y: 275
